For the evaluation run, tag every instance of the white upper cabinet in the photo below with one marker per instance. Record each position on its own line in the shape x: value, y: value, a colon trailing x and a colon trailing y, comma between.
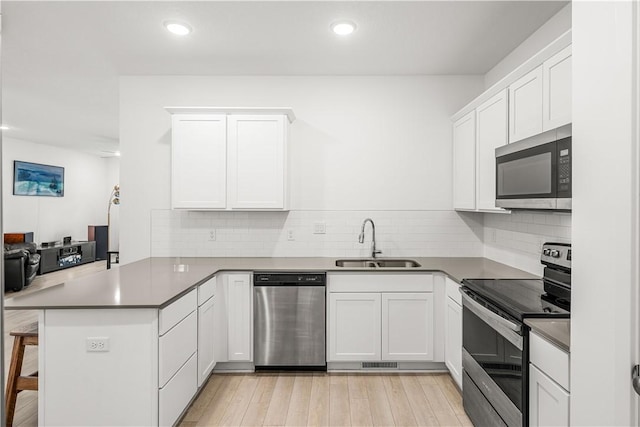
x: 198, y: 161
x: 464, y: 162
x: 229, y: 158
x: 556, y: 82
x: 257, y: 158
x: 525, y: 106
x: 492, y: 132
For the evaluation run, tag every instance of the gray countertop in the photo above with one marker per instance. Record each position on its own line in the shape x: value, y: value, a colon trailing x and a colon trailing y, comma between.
x: 155, y: 282
x: 558, y: 331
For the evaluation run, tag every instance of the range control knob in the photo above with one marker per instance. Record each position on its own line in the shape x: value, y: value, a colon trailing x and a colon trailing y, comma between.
x: 555, y: 253
x: 546, y: 252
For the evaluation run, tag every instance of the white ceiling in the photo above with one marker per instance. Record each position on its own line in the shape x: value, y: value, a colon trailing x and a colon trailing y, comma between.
x: 61, y: 60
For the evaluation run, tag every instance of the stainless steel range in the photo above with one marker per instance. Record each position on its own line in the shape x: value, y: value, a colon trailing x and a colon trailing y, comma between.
x: 495, y: 341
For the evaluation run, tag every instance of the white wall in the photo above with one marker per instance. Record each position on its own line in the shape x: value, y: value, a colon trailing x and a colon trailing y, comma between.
x: 51, y: 218
x: 551, y: 30
x: 605, y: 215
x: 360, y: 143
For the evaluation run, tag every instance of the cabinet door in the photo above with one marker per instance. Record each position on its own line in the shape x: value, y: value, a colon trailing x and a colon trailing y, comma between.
x: 464, y: 162
x: 257, y: 150
x: 556, y: 95
x: 354, y: 327
x: 407, y: 326
x: 525, y: 106
x: 198, y: 161
x: 206, y: 322
x: 492, y: 132
x: 239, y: 315
x: 548, y: 402
x: 453, y: 340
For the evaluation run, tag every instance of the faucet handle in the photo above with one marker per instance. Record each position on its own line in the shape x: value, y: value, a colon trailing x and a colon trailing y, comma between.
x: 376, y: 252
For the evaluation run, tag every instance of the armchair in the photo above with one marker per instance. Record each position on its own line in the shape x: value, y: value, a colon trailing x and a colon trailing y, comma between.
x: 21, y: 263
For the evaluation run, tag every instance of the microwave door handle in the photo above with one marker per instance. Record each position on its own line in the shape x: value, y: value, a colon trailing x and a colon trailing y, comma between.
x: 509, y: 330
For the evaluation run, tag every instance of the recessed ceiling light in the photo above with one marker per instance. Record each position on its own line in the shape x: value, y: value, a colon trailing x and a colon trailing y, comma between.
x: 343, y: 28
x: 178, y: 28
x: 3, y: 127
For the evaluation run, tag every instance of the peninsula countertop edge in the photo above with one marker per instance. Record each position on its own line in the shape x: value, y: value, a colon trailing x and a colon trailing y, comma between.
x: 156, y: 282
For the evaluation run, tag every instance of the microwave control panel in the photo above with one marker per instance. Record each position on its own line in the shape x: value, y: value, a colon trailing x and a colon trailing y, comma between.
x: 564, y: 167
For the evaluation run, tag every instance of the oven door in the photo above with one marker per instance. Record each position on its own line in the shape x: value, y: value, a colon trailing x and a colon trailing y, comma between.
x: 493, y: 357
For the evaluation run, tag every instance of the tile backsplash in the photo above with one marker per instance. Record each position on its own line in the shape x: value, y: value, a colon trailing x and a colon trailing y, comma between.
x: 267, y: 234
x: 516, y: 239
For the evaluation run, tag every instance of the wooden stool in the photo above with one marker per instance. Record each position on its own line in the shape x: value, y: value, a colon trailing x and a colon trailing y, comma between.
x: 25, y: 336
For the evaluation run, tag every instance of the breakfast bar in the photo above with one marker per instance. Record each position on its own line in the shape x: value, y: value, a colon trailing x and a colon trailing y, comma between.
x: 134, y: 345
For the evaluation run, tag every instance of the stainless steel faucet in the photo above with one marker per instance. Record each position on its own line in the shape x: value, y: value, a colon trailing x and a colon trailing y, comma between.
x: 374, y: 252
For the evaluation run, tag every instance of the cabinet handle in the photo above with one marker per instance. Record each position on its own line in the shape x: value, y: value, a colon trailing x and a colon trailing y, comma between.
x: 635, y: 378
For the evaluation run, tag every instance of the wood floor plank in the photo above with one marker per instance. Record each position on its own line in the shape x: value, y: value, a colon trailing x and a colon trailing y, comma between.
x: 298, y: 413
x: 339, y: 414
x: 360, y: 412
x: 242, y: 397
x: 221, y: 400
x: 419, y: 404
x: 451, y: 392
x: 259, y: 405
x: 357, y: 386
x: 398, y: 401
x: 319, y: 407
x: 279, y: 406
x: 381, y: 414
x: 197, y: 408
x: 439, y: 403
x: 464, y: 420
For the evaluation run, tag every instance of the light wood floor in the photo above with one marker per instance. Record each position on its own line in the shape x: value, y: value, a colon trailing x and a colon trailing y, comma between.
x: 277, y: 399
x: 27, y: 404
x: 328, y: 400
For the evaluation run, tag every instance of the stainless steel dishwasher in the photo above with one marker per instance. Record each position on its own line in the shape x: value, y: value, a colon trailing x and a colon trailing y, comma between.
x: 289, y: 320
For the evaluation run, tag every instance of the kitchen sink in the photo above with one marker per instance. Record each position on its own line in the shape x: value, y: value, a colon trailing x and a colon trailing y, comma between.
x: 377, y: 263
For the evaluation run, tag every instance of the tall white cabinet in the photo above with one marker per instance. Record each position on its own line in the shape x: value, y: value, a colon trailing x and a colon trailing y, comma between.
x: 464, y: 162
x: 556, y: 90
x: 229, y: 158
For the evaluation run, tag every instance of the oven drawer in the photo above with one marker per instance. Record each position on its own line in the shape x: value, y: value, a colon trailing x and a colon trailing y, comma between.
x: 476, y: 405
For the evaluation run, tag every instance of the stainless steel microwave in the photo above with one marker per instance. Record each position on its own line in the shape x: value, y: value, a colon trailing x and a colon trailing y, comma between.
x: 535, y: 173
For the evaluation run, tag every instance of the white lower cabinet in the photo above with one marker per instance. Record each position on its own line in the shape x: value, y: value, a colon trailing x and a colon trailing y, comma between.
x: 453, y: 335
x: 206, y: 340
x: 549, y: 387
x: 548, y: 402
x: 239, y: 314
x: 177, y: 393
x: 407, y: 326
x: 354, y: 326
x: 367, y: 321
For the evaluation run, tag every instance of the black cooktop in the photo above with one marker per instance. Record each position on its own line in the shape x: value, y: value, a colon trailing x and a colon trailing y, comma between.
x: 520, y: 298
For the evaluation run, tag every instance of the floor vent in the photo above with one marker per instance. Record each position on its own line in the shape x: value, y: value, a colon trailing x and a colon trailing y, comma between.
x: 383, y: 365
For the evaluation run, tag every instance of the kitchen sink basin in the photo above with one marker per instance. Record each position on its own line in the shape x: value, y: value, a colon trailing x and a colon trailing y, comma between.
x: 377, y: 263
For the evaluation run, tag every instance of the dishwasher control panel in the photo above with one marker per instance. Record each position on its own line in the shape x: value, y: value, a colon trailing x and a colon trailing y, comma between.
x: 289, y: 279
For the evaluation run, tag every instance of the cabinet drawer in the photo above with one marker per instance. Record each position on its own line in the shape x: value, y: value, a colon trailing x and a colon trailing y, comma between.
x: 380, y: 282
x: 453, y: 291
x: 206, y: 291
x: 172, y: 314
x: 176, y: 395
x: 550, y: 359
x: 176, y: 346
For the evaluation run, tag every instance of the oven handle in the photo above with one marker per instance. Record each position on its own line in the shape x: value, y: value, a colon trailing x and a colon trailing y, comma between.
x: 508, y: 329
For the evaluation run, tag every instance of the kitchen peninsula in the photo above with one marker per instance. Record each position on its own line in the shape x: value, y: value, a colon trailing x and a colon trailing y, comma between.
x: 126, y: 346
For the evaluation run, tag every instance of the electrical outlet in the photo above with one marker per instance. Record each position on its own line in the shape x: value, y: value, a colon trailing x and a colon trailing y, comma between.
x: 212, y: 235
x: 97, y: 344
x: 319, y: 228
x: 290, y: 235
